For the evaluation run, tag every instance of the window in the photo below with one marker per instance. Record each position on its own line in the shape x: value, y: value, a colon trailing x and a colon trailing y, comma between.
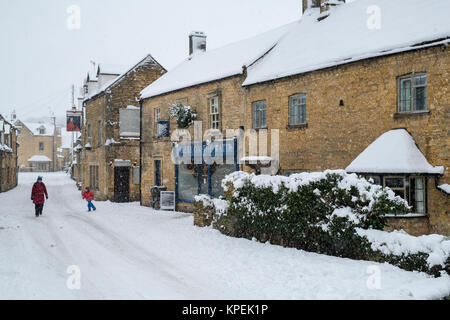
x: 411, y: 188
x: 41, y: 147
x: 412, y: 93
x: 89, y: 133
x: 297, y: 109
x: 397, y: 184
x: 93, y: 177
x: 157, y: 114
x: 41, y: 130
x: 259, y: 114
x: 130, y: 122
x: 136, y: 174
x: 99, y: 132
x: 417, y: 194
x: 214, y: 113
x: 375, y: 179
x: 157, y: 172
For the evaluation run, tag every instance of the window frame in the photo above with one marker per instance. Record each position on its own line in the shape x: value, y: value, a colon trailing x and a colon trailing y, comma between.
x: 94, y: 172
x: 413, y: 196
x: 89, y: 133
x: 99, y: 133
x: 255, y: 104
x: 412, y: 101
x: 39, y: 146
x: 290, y: 98
x: 218, y: 119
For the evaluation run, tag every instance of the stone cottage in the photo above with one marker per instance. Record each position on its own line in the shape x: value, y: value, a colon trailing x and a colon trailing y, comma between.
x: 325, y: 91
x: 8, y: 155
x: 110, y: 163
x: 40, y: 142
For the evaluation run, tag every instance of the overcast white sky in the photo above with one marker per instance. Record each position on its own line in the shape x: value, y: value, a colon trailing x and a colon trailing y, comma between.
x: 40, y: 58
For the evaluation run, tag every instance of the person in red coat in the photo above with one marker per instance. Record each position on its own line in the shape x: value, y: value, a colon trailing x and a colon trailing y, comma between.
x: 89, y: 196
x: 37, y: 196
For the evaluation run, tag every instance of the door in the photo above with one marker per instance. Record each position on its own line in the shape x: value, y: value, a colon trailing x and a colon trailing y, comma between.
x: 157, y: 172
x: 121, y: 184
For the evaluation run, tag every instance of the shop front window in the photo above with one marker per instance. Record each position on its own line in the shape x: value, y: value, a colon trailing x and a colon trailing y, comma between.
x: 187, y: 182
x: 204, y: 178
x: 218, y: 172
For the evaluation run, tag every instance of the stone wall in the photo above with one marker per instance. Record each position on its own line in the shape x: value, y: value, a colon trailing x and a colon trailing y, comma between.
x: 9, y: 165
x: 105, y: 107
x: 334, y: 135
x: 231, y: 97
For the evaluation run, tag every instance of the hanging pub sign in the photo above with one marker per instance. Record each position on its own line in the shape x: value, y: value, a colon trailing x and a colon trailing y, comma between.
x: 73, y: 120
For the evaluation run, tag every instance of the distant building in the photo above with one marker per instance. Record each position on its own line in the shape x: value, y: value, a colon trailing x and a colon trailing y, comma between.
x: 8, y: 155
x: 40, y: 142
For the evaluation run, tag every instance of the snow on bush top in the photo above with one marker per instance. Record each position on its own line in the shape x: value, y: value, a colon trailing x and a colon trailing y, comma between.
x: 399, y: 242
x: 366, y: 189
x: 220, y: 205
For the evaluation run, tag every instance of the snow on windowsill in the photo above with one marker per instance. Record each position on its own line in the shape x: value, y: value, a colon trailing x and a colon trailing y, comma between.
x: 445, y: 188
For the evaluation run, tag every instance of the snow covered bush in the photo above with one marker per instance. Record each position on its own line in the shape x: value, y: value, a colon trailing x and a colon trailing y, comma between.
x: 330, y: 212
x: 183, y: 114
x: 427, y: 253
x: 208, y: 210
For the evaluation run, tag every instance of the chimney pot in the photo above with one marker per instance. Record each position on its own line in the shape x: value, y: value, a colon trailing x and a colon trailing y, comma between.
x: 307, y: 4
x: 197, y: 42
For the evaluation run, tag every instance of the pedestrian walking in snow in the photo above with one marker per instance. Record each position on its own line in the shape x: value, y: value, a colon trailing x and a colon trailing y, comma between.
x: 89, y: 196
x: 37, y: 196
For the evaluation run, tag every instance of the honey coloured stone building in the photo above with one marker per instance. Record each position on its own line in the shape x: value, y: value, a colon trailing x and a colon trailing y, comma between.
x: 110, y: 163
x: 324, y: 91
x: 39, y: 146
x: 8, y: 155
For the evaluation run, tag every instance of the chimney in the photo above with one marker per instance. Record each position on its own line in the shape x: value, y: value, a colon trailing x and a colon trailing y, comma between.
x: 197, y: 42
x: 308, y: 4
x: 325, y: 7
x: 326, y: 4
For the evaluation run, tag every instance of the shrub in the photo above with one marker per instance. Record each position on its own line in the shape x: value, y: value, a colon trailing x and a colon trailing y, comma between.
x: 320, y: 212
x: 183, y: 115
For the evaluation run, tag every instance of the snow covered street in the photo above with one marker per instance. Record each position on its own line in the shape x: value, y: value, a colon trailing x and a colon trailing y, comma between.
x: 125, y: 251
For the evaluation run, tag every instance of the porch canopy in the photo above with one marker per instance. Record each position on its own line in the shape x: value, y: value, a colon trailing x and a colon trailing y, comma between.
x: 39, y: 159
x: 394, y: 151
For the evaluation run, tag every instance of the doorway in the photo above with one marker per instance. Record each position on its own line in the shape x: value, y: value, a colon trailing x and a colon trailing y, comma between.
x: 121, y: 184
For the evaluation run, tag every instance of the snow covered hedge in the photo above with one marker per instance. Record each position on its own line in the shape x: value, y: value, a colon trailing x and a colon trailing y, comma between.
x: 329, y: 212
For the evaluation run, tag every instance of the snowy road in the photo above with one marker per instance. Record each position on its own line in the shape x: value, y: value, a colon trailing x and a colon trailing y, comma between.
x: 125, y: 251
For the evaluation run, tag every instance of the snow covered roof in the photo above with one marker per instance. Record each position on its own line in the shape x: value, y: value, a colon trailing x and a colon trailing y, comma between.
x: 148, y: 58
x: 113, y: 69
x: 215, y: 64
x: 5, y: 148
x: 90, y: 78
x: 34, y: 127
x: 39, y: 159
x: 393, y: 152
x: 348, y: 34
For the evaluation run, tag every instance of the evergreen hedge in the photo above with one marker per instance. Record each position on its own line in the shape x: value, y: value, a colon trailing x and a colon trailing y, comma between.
x: 317, y: 212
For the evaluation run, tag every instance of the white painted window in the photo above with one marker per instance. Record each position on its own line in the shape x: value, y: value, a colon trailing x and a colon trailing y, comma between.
x: 297, y: 109
x: 413, y: 93
x: 259, y: 114
x: 214, y: 112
